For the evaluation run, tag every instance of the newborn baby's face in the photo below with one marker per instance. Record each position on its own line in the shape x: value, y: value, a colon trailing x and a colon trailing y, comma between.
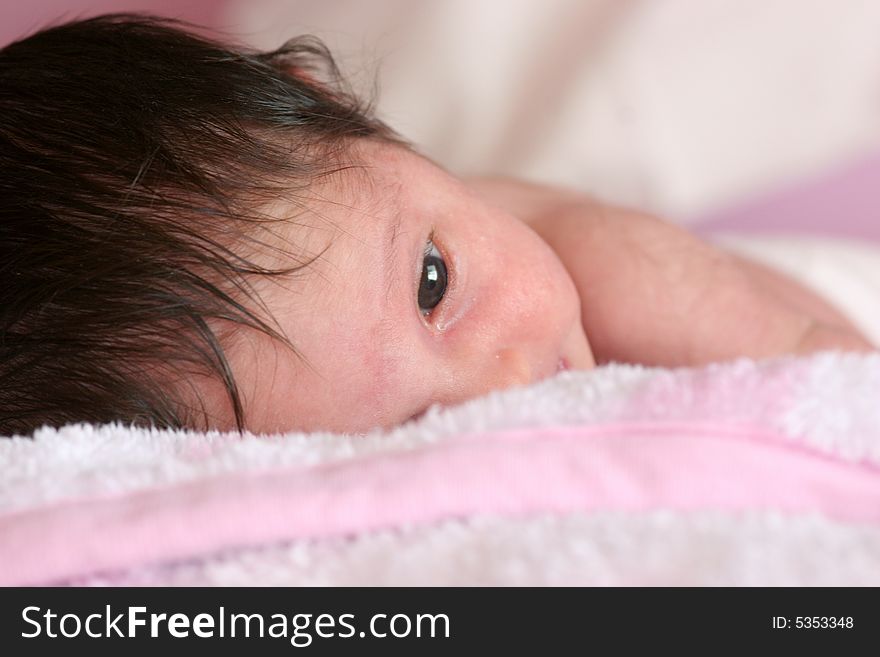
x: 421, y: 295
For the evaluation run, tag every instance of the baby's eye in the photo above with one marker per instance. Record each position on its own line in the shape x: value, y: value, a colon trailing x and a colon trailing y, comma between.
x: 433, y: 283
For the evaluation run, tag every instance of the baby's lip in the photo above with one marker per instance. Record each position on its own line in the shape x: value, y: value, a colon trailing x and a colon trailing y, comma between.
x: 562, y: 365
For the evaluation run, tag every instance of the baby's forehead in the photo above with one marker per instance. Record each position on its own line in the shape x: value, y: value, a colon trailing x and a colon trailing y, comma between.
x: 375, y: 193
x: 368, y: 184
x: 344, y: 234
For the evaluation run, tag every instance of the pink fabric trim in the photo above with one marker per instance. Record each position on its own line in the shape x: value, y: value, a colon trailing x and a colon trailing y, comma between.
x: 510, y: 473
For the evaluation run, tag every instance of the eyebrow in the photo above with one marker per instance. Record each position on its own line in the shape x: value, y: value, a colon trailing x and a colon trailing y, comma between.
x: 392, y: 231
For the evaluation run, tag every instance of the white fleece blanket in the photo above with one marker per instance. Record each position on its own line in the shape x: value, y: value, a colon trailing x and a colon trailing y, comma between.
x: 738, y: 473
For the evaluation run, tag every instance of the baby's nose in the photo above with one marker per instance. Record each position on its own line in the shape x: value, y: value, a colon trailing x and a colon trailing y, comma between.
x: 512, y: 368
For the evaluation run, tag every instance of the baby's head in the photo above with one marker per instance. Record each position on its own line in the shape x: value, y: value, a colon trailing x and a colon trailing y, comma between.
x: 200, y: 237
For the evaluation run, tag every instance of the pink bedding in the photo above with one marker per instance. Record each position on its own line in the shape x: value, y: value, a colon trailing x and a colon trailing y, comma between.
x: 795, y: 437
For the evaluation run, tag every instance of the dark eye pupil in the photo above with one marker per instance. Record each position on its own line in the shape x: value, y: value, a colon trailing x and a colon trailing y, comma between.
x: 433, y: 283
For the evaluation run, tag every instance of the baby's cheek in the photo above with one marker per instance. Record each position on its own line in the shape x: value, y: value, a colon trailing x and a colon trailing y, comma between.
x: 390, y: 379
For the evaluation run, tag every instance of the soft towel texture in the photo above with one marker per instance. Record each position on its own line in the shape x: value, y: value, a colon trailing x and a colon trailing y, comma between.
x: 784, y: 451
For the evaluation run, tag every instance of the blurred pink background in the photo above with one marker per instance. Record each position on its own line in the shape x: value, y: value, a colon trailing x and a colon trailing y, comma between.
x: 18, y: 19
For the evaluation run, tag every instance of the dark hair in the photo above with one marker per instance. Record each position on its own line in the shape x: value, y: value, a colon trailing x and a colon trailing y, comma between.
x: 133, y: 154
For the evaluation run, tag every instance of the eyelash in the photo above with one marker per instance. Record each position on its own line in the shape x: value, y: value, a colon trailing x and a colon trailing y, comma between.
x: 450, y: 275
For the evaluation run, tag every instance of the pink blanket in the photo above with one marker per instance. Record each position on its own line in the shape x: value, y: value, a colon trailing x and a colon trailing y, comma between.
x: 789, y: 439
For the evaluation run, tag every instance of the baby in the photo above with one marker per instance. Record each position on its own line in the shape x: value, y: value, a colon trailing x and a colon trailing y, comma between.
x: 198, y: 236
